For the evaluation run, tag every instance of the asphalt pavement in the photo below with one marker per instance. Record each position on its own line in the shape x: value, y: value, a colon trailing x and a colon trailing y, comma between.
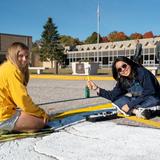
x: 82, y: 140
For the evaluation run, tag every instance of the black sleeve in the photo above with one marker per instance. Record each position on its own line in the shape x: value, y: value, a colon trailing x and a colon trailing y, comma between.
x: 112, y: 94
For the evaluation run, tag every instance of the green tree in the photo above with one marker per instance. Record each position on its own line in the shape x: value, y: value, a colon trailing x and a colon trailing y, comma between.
x: 69, y: 41
x: 35, y: 56
x: 35, y: 47
x: 51, y: 49
x: 93, y: 39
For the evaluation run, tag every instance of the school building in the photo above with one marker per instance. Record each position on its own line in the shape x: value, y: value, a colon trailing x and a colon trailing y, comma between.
x: 7, y: 39
x: 105, y: 53
x: 102, y: 53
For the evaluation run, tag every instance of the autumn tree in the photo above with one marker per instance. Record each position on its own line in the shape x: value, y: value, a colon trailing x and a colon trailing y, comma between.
x: 105, y: 39
x: 148, y: 35
x: 136, y: 36
x: 117, y: 36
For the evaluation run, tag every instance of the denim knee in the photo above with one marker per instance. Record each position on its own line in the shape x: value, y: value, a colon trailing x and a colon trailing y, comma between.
x: 122, y: 101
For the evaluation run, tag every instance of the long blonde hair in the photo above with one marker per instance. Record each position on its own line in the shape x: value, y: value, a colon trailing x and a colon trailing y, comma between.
x: 12, y: 56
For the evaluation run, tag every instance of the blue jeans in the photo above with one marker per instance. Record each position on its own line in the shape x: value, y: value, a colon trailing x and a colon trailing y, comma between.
x: 149, y: 101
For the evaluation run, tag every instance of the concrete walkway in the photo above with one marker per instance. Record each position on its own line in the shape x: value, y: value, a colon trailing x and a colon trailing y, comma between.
x: 83, y: 140
x: 89, y: 141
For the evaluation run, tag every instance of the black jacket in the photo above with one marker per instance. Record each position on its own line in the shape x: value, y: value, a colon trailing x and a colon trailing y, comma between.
x: 146, y: 79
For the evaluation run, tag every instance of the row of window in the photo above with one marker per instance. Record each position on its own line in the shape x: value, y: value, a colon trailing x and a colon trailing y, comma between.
x: 107, y: 57
x: 109, y: 53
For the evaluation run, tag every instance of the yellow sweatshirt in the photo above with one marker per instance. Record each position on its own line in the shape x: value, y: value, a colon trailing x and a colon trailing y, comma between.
x: 14, y: 94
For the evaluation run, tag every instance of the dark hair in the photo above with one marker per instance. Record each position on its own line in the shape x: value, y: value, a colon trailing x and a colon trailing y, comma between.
x: 126, y: 60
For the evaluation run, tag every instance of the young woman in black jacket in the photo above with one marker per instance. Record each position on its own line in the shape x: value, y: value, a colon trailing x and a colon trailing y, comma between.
x: 136, y: 90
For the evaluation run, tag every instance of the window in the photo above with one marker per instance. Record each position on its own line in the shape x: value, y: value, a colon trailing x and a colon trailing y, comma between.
x: 105, y: 60
x: 132, y: 51
x: 91, y: 59
x: 151, y: 57
x: 91, y: 54
x: 105, y: 53
x: 127, y: 51
x: 151, y: 50
x: 146, y: 50
x: 146, y: 57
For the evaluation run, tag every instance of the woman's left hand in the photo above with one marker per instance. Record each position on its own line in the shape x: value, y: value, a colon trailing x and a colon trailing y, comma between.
x: 92, y: 85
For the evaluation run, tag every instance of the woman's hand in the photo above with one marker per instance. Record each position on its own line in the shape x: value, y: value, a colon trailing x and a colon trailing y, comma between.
x: 91, y: 85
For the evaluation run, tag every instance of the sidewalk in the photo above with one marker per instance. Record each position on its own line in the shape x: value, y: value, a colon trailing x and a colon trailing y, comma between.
x: 83, y: 140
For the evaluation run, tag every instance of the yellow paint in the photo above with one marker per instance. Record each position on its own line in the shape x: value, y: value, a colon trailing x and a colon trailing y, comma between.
x: 88, y: 78
x: 62, y: 77
x: 71, y: 77
x: 141, y: 120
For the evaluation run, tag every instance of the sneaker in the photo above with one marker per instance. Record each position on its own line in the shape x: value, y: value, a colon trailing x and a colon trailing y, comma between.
x: 154, y: 108
x: 143, y: 113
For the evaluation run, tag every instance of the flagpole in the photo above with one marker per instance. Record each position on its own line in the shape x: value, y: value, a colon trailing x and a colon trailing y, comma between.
x: 98, y: 32
x: 98, y: 21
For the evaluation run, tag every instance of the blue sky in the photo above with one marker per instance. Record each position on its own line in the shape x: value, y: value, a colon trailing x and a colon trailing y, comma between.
x: 78, y: 18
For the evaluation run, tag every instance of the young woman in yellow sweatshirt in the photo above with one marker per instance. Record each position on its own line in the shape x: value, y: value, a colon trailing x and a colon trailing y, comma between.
x: 17, y: 110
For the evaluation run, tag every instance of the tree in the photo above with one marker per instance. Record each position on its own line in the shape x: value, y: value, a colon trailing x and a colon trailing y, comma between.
x: 51, y: 50
x: 105, y: 39
x: 69, y: 41
x: 93, y: 39
x: 117, y: 36
x: 136, y: 36
x: 35, y: 61
x: 35, y: 47
x: 148, y: 35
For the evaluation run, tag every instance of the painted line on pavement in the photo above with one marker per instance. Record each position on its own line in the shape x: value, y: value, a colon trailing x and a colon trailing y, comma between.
x: 71, y: 77
x: 62, y: 77
x: 141, y: 120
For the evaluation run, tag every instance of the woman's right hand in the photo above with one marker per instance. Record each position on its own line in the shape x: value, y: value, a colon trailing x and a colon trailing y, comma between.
x: 91, y: 85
